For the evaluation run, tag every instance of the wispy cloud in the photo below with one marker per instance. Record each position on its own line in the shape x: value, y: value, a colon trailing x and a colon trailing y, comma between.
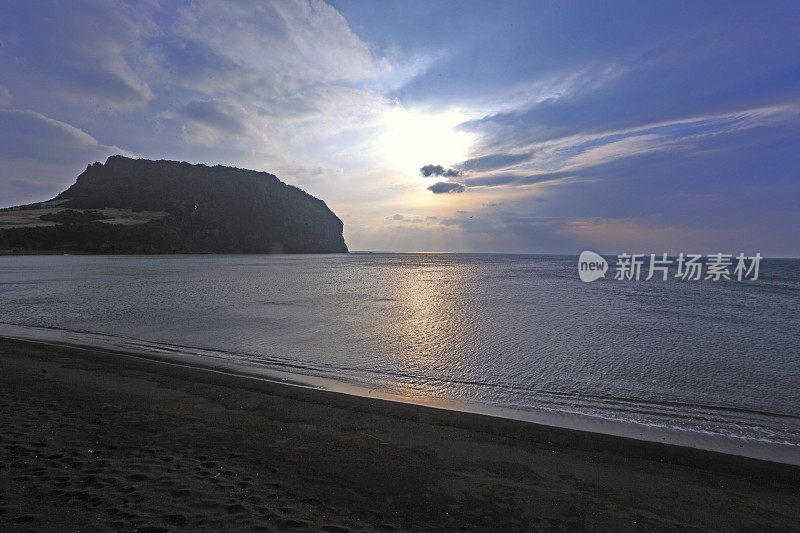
x: 29, y: 135
x: 560, y: 157
x: 35, y: 151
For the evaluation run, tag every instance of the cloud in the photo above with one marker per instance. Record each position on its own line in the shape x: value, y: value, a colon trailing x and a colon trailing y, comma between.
x: 293, y: 68
x: 5, y: 95
x: 654, y: 85
x: 41, y: 156
x: 31, y: 135
x: 210, y: 121
x: 638, y: 234
x: 493, y: 162
x: 438, y: 170
x: 556, y: 160
x: 442, y: 187
x: 288, y: 43
x: 301, y: 174
x: 289, y: 63
x: 475, y: 225
x: 89, y: 51
x: 406, y: 219
x: 627, y: 147
x: 225, y: 116
x: 510, y: 178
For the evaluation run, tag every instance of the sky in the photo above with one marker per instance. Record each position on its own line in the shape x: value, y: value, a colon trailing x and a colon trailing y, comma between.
x: 522, y: 127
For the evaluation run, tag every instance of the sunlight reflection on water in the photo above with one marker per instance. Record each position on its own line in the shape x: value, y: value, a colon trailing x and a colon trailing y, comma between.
x: 516, y: 332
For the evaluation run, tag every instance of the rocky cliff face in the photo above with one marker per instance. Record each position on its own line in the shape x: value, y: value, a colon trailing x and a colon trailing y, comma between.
x: 141, y: 206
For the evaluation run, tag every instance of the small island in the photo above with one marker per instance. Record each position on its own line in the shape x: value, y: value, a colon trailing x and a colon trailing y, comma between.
x: 139, y: 206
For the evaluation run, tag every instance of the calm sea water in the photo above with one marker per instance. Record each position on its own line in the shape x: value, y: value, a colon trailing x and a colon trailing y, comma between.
x: 520, y: 336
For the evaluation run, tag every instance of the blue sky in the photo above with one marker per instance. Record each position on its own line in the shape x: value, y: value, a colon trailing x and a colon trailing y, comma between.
x: 624, y: 126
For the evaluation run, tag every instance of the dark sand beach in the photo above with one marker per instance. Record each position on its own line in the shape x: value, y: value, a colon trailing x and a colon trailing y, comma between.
x: 92, y: 441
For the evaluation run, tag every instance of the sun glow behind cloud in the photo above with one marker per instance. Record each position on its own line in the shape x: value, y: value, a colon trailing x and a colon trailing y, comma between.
x: 413, y: 138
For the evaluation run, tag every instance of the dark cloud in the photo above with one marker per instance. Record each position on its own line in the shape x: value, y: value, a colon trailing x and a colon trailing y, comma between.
x: 441, y: 187
x: 439, y: 171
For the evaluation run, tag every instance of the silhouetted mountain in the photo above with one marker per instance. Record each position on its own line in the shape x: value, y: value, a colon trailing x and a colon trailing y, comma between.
x: 142, y: 206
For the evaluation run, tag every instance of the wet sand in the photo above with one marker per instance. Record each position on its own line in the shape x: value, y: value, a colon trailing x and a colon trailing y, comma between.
x: 95, y: 441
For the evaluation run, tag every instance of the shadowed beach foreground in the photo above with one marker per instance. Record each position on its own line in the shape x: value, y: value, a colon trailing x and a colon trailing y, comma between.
x: 95, y: 441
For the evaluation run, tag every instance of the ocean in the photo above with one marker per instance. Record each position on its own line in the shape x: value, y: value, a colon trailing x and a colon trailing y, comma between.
x: 714, y: 365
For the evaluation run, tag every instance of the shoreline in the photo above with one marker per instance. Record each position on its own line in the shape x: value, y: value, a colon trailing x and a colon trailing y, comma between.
x: 215, y: 361
x: 92, y: 437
